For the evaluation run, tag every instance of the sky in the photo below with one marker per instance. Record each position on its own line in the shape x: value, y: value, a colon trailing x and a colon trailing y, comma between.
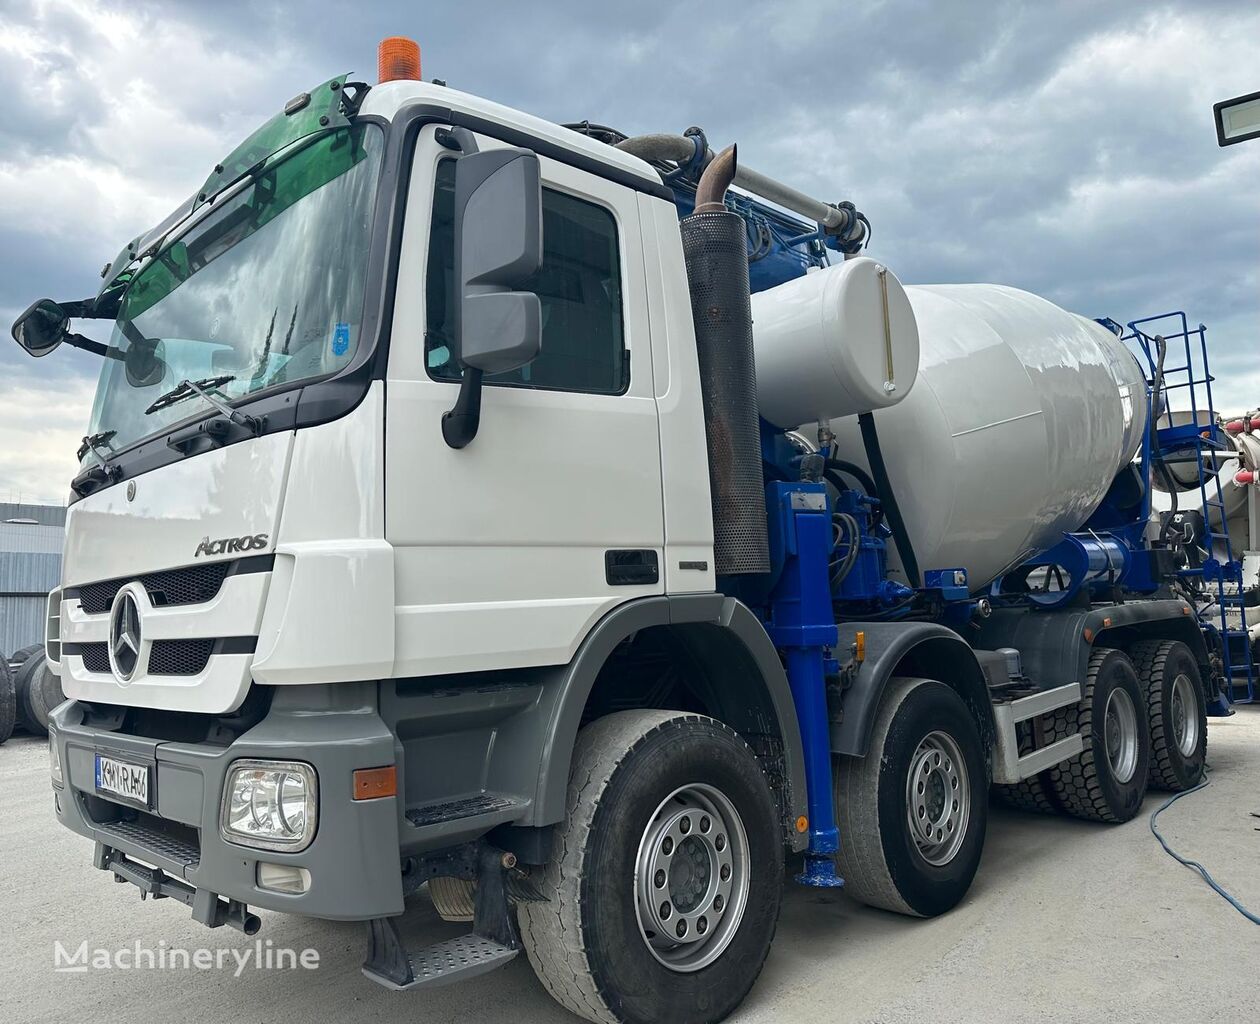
x: 1062, y: 147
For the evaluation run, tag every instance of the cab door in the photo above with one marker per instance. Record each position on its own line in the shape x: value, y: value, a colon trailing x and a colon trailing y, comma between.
x: 509, y: 550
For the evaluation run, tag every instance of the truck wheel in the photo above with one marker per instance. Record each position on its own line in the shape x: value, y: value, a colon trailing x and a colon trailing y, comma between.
x: 663, y: 888
x: 1177, y: 711
x: 1107, y: 780
x: 43, y: 693
x: 8, y: 702
x: 1032, y: 795
x: 912, y: 812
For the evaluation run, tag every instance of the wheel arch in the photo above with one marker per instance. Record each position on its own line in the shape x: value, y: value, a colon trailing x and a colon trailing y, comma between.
x: 924, y: 649
x: 736, y: 676
x: 1055, y: 646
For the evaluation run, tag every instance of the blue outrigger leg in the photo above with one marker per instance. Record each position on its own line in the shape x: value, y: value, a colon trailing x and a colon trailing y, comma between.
x: 802, y: 625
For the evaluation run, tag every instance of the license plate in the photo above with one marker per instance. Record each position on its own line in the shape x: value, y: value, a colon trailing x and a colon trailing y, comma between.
x: 123, y: 780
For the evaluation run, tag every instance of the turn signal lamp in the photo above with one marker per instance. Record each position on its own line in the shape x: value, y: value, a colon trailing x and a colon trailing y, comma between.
x: 1245, y: 476
x: 398, y: 59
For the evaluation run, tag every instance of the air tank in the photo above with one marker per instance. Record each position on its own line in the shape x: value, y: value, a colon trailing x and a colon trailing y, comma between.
x: 1020, y: 417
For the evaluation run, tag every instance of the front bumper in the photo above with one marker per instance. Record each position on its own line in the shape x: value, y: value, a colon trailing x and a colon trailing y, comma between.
x: 353, y: 860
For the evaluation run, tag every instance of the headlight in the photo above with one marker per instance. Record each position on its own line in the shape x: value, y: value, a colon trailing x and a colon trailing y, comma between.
x: 270, y: 804
x: 54, y: 760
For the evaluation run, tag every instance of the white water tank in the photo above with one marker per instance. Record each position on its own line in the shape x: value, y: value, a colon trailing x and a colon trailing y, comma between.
x: 836, y: 342
x: 1021, y: 417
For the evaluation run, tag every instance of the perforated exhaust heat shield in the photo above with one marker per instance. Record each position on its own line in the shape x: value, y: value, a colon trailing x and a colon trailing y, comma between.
x: 716, y: 255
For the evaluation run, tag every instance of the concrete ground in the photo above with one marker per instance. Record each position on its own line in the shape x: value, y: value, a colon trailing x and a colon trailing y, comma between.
x: 1066, y: 921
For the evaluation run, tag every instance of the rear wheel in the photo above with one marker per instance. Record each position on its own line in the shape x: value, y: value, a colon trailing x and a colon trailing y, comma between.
x: 664, y: 884
x: 1107, y: 780
x: 1177, y: 711
x: 912, y: 813
x: 1031, y: 795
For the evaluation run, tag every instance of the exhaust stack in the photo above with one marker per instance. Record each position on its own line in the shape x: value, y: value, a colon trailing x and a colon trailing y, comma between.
x: 716, y: 256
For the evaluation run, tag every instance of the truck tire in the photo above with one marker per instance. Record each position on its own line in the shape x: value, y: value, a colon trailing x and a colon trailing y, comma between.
x: 912, y: 813
x: 19, y: 657
x: 1032, y: 795
x: 22, y: 686
x: 1177, y: 710
x: 8, y: 702
x: 43, y: 694
x: 671, y: 830
x: 1107, y: 780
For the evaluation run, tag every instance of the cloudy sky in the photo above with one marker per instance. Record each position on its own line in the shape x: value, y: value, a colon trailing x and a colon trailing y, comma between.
x: 1064, y: 147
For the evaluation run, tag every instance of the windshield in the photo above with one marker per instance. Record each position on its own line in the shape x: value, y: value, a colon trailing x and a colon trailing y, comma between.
x: 267, y: 289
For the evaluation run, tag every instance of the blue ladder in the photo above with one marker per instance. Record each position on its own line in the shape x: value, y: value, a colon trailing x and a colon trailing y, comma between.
x: 1199, y: 441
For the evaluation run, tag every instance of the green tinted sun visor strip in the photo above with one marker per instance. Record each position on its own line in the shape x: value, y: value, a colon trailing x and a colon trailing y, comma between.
x: 319, y: 110
x: 305, y: 114
x: 276, y: 188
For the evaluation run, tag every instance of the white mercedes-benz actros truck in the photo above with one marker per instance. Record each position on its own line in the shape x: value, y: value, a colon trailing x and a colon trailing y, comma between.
x: 452, y: 514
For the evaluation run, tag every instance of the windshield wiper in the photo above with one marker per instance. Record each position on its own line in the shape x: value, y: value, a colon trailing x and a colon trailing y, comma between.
x: 99, y: 445
x: 203, y: 388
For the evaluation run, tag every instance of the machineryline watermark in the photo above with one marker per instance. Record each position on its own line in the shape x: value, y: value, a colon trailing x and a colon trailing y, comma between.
x: 139, y: 956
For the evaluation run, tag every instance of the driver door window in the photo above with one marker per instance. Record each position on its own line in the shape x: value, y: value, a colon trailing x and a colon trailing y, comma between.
x: 578, y: 286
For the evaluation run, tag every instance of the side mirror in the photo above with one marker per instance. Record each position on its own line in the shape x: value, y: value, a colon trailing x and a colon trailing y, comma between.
x: 498, y: 247
x: 41, y: 328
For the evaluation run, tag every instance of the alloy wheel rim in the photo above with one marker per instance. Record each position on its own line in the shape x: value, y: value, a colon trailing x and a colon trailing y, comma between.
x: 691, y: 877
x: 938, y: 798
x: 1120, y: 739
x: 1184, y: 713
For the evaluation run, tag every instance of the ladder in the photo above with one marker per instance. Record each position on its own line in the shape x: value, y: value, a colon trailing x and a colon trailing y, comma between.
x: 1177, y: 358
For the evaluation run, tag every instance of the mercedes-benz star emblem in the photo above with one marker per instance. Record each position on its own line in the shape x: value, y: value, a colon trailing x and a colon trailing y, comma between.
x: 124, y: 636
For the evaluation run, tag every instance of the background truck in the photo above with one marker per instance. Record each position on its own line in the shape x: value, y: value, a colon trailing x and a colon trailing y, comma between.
x: 454, y: 513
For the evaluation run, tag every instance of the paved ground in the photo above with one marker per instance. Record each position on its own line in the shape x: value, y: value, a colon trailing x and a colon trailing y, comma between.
x: 1067, y: 921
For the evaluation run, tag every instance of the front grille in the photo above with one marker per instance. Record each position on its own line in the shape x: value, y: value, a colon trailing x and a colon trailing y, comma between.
x: 179, y: 657
x: 166, y: 657
x: 191, y: 585
x: 95, y: 657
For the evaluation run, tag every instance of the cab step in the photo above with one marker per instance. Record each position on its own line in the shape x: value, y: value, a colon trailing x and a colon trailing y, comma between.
x: 493, y: 942
x: 457, y: 959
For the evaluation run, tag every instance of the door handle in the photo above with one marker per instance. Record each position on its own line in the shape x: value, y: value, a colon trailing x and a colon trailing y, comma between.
x: 635, y: 568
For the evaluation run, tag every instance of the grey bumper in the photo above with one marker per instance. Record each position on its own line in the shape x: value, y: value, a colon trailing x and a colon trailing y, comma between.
x: 353, y: 859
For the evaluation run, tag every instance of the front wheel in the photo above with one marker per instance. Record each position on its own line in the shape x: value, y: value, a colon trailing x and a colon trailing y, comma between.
x: 912, y: 813
x: 664, y: 883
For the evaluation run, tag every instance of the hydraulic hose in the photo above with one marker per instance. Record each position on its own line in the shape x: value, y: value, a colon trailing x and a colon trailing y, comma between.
x: 888, y: 500
x: 855, y: 471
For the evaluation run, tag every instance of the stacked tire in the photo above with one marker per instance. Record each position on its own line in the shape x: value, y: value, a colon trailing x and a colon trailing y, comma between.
x: 38, y: 692
x: 29, y: 690
x: 8, y: 701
